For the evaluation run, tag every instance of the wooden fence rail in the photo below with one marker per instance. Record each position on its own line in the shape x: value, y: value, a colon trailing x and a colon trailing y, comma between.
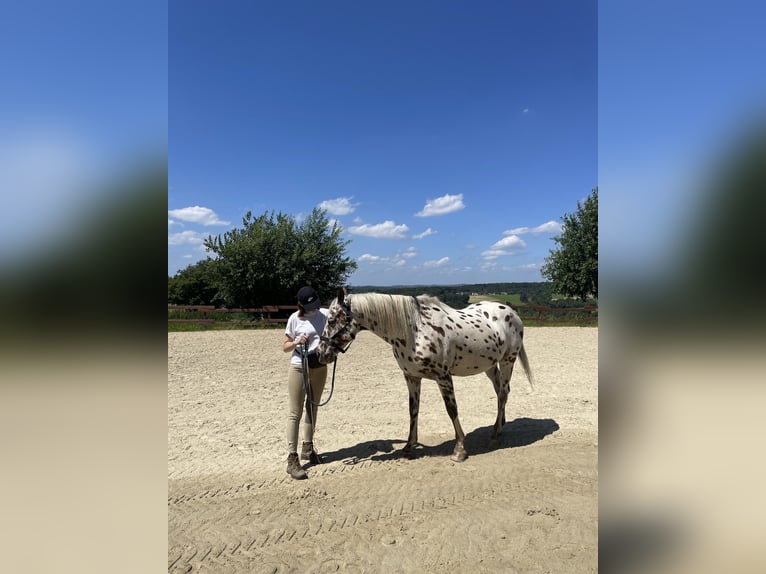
x: 266, y: 315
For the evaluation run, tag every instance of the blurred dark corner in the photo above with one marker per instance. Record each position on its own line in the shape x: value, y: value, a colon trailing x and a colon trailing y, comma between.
x: 719, y: 275
x: 104, y: 282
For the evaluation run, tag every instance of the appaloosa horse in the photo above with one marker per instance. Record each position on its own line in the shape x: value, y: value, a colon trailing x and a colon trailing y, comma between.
x: 433, y: 341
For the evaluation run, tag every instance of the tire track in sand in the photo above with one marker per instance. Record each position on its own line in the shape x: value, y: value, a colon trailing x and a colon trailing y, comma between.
x: 363, y: 514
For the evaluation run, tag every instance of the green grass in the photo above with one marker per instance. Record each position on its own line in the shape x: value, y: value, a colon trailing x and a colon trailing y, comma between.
x: 560, y: 318
x: 510, y: 299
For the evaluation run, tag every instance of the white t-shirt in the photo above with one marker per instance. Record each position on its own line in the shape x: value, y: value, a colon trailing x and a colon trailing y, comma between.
x: 311, y: 325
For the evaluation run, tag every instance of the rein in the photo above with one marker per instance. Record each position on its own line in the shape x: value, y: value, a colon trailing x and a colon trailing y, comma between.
x: 307, y: 386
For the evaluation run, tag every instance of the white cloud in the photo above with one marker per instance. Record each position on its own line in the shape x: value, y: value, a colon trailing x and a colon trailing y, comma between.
x: 368, y: 258
x: 409, y: 253
x: 385, y: 230
x: 197, y: 214
x: 490, y: 254
x: 437, y: 263
x: 547, y: 227
x: 506, y: 246
x: 399, y: 260
x: 510, y: 242
x: 186, y: 238
x: 426, y: 233
x: 442, y: 205
x: 338, y: 206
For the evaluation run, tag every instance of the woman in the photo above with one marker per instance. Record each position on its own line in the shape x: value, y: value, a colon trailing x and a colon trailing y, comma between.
x: 302, y: 335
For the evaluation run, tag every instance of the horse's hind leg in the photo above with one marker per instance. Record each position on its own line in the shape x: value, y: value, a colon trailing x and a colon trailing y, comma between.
x: 448, y: 394
x: 413, y: 385
x: 501, y: 378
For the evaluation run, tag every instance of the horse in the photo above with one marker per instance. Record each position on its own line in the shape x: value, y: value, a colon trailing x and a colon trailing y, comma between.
x: 432, y: 340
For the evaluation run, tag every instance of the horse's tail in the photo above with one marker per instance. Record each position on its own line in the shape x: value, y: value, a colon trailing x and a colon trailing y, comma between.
x: 527, y: 369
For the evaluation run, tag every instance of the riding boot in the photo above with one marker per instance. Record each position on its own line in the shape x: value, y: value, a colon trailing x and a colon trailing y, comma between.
x: 294, y: 468
x: 308, y: 453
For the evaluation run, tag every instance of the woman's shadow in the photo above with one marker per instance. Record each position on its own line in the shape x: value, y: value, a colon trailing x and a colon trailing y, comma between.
x: 519, y: 432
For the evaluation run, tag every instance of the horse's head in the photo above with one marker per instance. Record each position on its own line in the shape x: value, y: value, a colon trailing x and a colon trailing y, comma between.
x: 340, y: 330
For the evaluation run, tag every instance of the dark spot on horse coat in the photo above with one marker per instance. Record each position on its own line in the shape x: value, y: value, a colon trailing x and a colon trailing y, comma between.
x: 437, y: 329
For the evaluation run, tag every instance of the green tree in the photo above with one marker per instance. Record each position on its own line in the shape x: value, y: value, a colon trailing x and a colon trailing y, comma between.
x: 271, y: 257
x: 194, y: 285
x: 572, y: 268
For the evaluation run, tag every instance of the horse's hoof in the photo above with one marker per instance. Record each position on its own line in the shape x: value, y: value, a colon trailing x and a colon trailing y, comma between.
x: 408, y: 453
x: 459, y: 456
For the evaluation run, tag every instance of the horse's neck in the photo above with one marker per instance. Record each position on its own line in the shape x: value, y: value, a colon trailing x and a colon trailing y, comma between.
x: 387, y: 334
x: 381, y: 319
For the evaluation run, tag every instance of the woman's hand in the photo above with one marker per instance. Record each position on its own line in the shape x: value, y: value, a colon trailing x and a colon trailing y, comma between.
x: 292, y: 345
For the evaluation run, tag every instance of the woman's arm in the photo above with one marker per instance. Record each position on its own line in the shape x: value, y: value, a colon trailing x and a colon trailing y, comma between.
x: 289, y: 345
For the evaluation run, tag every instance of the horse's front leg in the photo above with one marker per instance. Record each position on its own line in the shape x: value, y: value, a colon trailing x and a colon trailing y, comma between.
x: 413, y: 385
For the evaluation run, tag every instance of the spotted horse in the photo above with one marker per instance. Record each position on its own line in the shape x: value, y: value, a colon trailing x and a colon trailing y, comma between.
x: 431, y: 340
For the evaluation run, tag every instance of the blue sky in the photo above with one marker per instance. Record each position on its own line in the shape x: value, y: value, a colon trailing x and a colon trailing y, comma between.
x: 447, y: 138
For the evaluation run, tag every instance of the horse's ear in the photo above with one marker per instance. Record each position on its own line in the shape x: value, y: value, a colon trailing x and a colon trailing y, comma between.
x: 341, y: 294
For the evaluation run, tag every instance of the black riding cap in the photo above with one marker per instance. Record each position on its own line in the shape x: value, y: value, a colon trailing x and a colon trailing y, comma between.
x: 308, y: 298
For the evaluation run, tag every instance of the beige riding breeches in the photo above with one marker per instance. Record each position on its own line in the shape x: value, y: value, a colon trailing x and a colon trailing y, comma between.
x: 296, y: 401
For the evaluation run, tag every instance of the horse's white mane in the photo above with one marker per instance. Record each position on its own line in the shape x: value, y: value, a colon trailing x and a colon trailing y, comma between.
x: 394, y: 313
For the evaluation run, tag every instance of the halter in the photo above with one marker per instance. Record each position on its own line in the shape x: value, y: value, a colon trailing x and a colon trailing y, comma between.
x: 331, y: 342
x: 336, y: 346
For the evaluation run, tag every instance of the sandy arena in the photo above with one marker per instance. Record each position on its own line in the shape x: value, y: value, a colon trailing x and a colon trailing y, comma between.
x: 528, y: 504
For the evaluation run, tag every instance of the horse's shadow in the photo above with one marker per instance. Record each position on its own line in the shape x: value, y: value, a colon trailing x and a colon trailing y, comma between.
x: 519, y: 432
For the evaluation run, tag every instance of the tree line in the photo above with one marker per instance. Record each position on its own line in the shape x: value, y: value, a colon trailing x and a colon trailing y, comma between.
x: 271, y: 256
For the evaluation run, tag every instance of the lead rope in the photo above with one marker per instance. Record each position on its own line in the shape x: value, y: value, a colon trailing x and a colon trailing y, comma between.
x: 307, y: 385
